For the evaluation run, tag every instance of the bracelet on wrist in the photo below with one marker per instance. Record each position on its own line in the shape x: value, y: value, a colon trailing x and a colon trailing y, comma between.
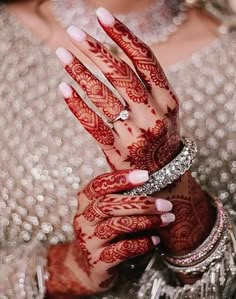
x: 169, y: 173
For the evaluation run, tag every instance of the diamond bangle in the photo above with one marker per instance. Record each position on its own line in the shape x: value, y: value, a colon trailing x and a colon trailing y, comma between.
x: 169, y: 173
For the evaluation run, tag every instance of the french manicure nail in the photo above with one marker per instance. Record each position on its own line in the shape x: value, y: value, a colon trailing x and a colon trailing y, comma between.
x: 163, y: 205
x: 64, y: 55
x: 167, y: 217
x: 138, y: 176
x: 155, y: 240
x: 65, y: 89
x: 76, y: 33
x: 105, y: 17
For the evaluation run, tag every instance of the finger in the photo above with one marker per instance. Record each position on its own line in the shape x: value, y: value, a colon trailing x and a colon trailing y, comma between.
x: 121, y: 205
x: 126, y: 249
x: 98, y: 93
x: 87, y: 117
x: 115, y: 182
x: 116, y: 70
x: 118, y: 226
x: 141, y: 56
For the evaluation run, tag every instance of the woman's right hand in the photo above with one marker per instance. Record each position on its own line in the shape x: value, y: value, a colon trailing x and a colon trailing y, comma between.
x: 104, y: 227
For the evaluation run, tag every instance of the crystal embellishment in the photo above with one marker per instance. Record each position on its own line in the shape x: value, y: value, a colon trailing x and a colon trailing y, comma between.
x: 124, y: 115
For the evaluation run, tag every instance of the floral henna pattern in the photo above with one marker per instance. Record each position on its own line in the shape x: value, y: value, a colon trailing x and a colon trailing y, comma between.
x: 108, y: 183
x: 142, y: 57
x: 121, y: 75
x: 155, y: 147
x: 102, y: 209
x: 121, y: 225
x: 90, y: 120
x: 122, y: 250
x: 99, y: 94
x: 194, y: 218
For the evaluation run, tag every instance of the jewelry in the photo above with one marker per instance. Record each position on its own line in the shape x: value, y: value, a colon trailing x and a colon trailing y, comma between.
x: 207, y: 246
x: 124, y: 115
x: 169, y: 173
x: 204, y: 265
x: 152, y: 25
x: 216, y: 282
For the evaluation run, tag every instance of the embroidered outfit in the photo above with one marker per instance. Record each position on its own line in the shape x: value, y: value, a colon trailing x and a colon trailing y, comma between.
x: 43, y: 160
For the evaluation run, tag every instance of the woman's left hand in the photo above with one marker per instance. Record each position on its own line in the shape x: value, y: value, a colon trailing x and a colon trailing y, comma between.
x: 150, y: 137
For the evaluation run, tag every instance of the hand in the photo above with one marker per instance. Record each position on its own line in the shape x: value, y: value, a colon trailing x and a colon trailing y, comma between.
x: 150, y: 137
x: 103, y: 224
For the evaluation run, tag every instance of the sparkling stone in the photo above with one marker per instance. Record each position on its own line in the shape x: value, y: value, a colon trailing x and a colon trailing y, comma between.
x: 124, y: 114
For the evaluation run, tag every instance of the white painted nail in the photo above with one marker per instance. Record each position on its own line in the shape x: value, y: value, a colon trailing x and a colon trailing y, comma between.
x: 105, y: 17
x: 168, y: 218
x: 65, y: 89
x: 163, y: 205
x: 64, y: 55
x: 76, y: 33
x: 156, y: 240
x: 138, y: 176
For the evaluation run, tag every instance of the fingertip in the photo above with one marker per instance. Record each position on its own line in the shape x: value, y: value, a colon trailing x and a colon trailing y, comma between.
x: 138, y: 176
x: 64, y: 56
x: 155, y: 240
x: 105, y: 17
x: 65, y: 90
x: 76, y: 33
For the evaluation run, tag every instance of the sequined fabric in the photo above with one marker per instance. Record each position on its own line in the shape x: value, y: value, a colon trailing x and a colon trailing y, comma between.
x: 46, y: 156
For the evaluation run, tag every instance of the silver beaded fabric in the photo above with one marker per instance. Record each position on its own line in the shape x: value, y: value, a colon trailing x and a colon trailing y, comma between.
x: 46, y: 155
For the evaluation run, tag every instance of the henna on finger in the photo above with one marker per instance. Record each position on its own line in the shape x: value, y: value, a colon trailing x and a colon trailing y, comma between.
x: 87, y: 117
x: 117, y: 226
x: 118, y: 72
x: 142, y: 57
x: 126, y: 249
x: 119, y: 205
x: 114, y: 182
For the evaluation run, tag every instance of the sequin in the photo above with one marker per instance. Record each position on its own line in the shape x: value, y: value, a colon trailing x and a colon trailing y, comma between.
x: 43, y: 162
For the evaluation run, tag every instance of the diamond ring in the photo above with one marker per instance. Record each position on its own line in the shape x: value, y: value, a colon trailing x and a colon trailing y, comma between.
x: 124, y: 115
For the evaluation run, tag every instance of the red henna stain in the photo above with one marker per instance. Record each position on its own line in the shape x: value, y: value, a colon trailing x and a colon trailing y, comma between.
x: 122, y: 250
x: 90, y: 121
x: 99, y: 94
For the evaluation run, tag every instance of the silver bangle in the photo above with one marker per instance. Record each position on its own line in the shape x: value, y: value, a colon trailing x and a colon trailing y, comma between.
x: 169, y: 173
x: 205, y: 264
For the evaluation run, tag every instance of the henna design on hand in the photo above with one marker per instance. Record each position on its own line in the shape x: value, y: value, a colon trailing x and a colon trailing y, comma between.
x: 120, y: 74
x: 122, y: 250
x: 108, y: 183
x: 117, y: 226
x: 194, y: 217
x: 114, y: 206
x: 97, y: 92
x: 140, y: 54
x: 155, y: 147
x: 62, y: 279
x: 90, y: 120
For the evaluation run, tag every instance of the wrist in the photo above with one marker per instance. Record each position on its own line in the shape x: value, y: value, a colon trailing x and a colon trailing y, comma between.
x: 195, y: 216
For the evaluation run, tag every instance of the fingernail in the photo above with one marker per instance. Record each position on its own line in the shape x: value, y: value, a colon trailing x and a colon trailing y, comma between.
x: 105, y: 17
x: 64, y: 55
x: 65, y: 89
x: 138, y: 176
x: 163, y: 205
x: 76, y: 33
x: 155, y: 240
x: 168, y: 217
